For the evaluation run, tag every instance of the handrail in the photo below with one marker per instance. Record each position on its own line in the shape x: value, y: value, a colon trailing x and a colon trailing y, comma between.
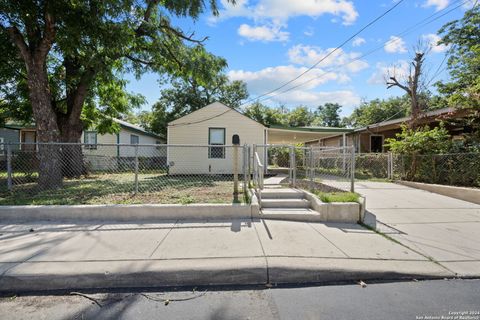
x: 260, y: 172
x: 258, y: 176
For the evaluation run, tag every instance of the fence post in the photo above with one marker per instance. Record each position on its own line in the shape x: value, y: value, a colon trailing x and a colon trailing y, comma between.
x: 389, y: 166
x: 352, y: 171
x: 235, y: 170
x: 9, y: 168
x: 293, y: 166
x: 311, y: 167
x: 136, y: 169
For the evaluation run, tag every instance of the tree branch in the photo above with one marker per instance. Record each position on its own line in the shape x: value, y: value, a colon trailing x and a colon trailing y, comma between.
x: 48, y: 33
x: 181, y: 35
x: 394, y: 83
x: 19, y: 41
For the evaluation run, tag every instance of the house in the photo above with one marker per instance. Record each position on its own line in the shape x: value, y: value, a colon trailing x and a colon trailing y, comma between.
x: 371, y: 139
x: 101, y: 151
x: 215, y: 125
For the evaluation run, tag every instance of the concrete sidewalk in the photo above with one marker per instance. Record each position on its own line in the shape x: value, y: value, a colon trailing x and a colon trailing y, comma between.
x: 442, y: 228
x: 67, y: 256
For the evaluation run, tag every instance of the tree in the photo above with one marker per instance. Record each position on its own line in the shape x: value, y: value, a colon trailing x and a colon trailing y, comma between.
x: 377, y: 110
x: 71, y: 54
x: 411, y: 86
x: 463, y: 35
x: 187, y: 94
x: 265, y: 115
x: 300, y: 117
x: 328, y: 115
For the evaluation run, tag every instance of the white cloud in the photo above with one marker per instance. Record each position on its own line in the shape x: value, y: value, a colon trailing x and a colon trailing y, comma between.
x: 262, y: 33
x: 266, y: 79
x: 400, y: 70
x: 358, y: 41
x: 309, y: 55
x: 438, y: 4
x: 346, y: 98
x: 432, y: 40
x: 282, y: 10
x: 395, y: 45
x: 309, y: 32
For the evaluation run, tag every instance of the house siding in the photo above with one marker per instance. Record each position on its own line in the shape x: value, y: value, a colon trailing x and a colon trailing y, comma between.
x: 195, y: 160
x: 10, y: 136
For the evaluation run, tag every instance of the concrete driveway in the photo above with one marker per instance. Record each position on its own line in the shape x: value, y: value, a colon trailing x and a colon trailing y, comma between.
x: 444, y: 229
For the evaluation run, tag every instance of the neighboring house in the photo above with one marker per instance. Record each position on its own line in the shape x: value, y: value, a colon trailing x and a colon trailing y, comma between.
x: 215, y: 125
x: 371, y: 139
x: 97, y: 155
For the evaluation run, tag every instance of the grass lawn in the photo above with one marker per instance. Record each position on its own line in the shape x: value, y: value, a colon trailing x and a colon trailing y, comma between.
x: 337, y: 196
x: 118, y: 188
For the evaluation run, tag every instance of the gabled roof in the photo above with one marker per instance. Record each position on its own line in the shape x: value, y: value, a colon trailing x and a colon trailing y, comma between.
x: 138, y: 129
x: 183, y: 120
x: 122, y: 123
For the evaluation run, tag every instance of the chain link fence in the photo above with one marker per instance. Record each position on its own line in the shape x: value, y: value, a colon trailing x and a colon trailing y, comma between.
x: 120, y: 173
x: 456, y: 169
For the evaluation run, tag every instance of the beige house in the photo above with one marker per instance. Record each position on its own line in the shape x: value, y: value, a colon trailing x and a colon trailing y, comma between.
x: 193, y: 139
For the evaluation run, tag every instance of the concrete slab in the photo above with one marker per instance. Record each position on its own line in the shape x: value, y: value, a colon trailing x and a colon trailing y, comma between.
x: 19, y: 247
x: 410, y: 198
x: 234, y: 240
x: 132, y: 273
x: 294, y: 239
x: 105, y: 245
x: 305, y: 270
x: 358, y: 242
x: 442, y: 241
x: 427, y: 215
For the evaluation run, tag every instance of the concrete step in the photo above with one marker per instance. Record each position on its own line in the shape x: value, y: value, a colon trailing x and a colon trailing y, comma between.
x: 285, y: 193
x: 285, y: 203
x: 292, y: 214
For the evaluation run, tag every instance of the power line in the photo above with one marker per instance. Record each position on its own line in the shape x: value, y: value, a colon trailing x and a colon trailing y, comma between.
x: 409, y: 30
x: 331, y: 52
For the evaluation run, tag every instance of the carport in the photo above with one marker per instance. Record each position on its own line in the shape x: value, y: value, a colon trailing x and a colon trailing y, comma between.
x: 294, y: 135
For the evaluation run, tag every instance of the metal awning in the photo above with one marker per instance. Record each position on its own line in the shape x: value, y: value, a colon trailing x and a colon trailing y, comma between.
x: 293, y: 135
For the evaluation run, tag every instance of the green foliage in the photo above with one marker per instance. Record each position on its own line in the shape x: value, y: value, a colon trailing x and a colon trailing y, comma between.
x: 421, y: 141
x: 337, y: 196
x: 186, y: 95
x: 464, y: 60
x: 265, y: 115
x: 328, y: 115
x: 94, y: 45
x: 300, y: 117
x: 378, y: 110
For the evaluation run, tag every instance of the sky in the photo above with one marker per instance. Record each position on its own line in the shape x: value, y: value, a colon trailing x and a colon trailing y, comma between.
x: 270, y: 42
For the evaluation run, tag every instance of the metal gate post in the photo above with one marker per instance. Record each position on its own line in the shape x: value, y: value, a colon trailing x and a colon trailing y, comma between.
x: 310, y: 160
x: 293, y: 166
x: 9, y: 168
x: 136, y: 169
x: 352, y: 169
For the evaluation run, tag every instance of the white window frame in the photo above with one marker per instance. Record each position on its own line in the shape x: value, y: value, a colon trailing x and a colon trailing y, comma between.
x: 88, y: 144
x: 138, y: 139
x: 221, y: 154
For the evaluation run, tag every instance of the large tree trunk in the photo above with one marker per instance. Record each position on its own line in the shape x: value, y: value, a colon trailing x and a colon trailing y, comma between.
x: 72, y: 155
x: 50, y: 172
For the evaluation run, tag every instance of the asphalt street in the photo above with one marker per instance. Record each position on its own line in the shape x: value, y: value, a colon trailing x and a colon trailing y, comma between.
x: 450, y: 299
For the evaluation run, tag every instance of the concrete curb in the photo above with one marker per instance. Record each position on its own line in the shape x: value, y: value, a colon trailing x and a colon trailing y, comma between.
x: 334, y: 211
x: 462, y: 193
x: 44, y: 276
x: 38, y: 276
x: 117, y: 212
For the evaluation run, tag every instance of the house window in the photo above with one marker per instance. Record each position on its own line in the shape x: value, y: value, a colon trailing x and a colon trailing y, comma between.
x: 90, y: 139
x: 216, y: 136
x: 134, y: 139
x: 376, y: 143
